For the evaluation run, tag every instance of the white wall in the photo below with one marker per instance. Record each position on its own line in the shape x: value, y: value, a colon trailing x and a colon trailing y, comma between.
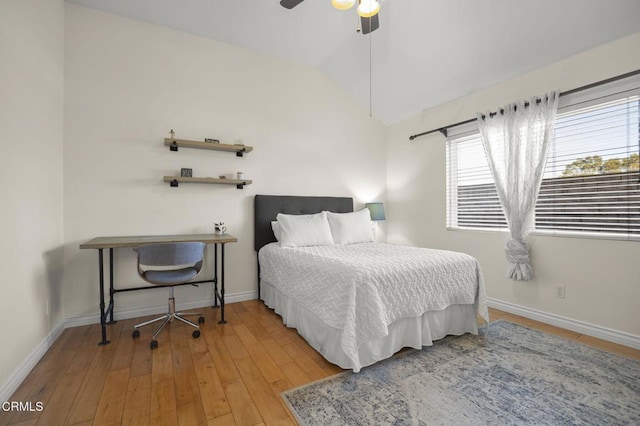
x: 31, y: 110
x: 602, y: 277
x: 127, y: 83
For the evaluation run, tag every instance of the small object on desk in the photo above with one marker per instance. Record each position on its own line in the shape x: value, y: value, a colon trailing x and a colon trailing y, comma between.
x: 173, y: 134
x: 219, y: 228
x: 222, y: 177
x: 209, y: 140
x: 240, y: 175
x: 186, y: 172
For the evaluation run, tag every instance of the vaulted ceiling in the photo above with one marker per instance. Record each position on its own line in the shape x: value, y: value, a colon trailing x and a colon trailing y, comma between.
x: 425, y: 53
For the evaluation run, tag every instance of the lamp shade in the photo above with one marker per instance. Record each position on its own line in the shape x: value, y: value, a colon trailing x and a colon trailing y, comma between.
x: 368, y: 8
x: 376, y: 210
x: 343, y: 4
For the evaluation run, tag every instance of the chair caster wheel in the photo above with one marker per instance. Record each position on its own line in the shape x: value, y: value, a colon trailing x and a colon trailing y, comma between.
x: 196, y: 334
x: 154, y: 344
x: 200, y: 320
x: 135, y: 334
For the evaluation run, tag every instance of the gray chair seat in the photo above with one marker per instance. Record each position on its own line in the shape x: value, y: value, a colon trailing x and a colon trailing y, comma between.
x: 170, y: 277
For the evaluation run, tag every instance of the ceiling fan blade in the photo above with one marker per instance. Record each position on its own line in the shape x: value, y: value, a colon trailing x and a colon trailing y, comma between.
x: 290, y: 4
x: 369, y: 25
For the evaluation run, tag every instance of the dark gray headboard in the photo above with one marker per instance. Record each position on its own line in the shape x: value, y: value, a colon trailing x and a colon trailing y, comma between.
x: 267, y: 208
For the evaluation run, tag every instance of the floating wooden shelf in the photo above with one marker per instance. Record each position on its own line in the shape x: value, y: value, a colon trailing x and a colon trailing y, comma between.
x: 239, y: 183
x: 174, y: 144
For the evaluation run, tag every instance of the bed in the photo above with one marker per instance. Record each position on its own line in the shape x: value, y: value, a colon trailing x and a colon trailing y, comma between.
x: 357, y: 304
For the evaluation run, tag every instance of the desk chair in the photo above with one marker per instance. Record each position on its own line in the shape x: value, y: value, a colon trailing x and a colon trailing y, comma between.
x: 169, y: 265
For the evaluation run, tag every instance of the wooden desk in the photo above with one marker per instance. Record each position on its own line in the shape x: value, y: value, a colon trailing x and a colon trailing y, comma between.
x: 101, y: 243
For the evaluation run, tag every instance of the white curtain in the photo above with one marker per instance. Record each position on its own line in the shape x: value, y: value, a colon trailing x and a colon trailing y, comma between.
x: 516, y: 142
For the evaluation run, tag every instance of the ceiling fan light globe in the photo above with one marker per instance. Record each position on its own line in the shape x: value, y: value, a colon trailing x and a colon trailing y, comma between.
x: 343, y: 4
x: 368, y: 8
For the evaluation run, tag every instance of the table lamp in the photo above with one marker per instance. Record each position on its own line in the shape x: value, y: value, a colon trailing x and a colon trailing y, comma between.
x: 377, y: 213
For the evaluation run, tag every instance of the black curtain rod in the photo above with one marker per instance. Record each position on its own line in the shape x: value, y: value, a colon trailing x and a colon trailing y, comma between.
x: 444, y: 129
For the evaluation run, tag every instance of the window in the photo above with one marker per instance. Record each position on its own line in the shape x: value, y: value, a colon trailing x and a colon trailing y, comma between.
x: 591, y: 184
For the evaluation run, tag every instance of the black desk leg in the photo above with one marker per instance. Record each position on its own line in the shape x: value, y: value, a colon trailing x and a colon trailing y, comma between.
x: 222, y: 321
x: 111, y: 292
x: 215, y: 276
x: 103, y: 318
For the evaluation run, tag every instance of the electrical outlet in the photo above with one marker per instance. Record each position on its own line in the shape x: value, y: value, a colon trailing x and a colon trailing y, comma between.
x: 560, y: 292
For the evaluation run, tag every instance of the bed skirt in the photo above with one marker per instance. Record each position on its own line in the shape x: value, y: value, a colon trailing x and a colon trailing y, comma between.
x: 407, y: 332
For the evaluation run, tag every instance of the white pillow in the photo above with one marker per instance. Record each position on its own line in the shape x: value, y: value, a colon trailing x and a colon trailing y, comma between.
x: 275, y: 227
x: 304, y: 230
x: 351, y: 228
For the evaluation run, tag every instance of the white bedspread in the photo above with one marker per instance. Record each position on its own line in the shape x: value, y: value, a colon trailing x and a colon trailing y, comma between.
x: 362, y: 288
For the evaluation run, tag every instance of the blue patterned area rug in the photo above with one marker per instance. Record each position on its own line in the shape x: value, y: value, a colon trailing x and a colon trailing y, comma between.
x: 516, y: 376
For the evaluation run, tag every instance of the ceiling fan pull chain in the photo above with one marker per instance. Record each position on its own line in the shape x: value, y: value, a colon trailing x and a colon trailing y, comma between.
x: 370, y: 75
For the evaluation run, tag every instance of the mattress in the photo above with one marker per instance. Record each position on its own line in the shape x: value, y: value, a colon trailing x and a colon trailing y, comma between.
x: 361, y: 290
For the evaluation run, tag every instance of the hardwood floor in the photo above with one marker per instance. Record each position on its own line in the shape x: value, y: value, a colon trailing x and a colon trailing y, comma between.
x: 232, y: 375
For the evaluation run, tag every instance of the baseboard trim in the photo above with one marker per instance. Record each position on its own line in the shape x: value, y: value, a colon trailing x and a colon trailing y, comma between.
x: 610, y: 335
x: 23, y: 370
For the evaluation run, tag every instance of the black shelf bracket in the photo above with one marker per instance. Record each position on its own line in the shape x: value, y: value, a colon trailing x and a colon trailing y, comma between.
x: 241, y: 152
x: 173, y: 147
x: 241, y: 185
x: 173, y: 183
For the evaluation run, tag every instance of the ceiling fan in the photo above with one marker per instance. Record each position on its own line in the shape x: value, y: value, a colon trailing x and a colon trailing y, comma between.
x: 367, y: 9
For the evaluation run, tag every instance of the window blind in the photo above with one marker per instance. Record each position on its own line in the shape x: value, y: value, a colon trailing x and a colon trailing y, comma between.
x: 591, y: 183
x: 472, y: 196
